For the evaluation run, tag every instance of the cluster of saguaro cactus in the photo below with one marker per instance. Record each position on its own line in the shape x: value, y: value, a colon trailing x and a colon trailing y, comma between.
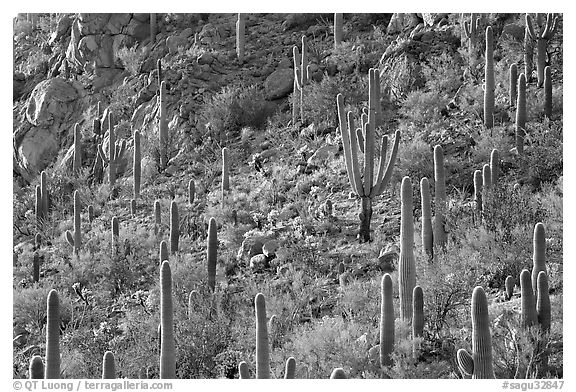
x: 471, y: 31
x: 479, y: 364
x: 406, y: 265
x: 386, y: 321
x: 212, y: 253
x: 115, y: 152
x: 42, y: 200
x: 162, y: 125
x: 547, y: 29
x: 240, y: 36
x: 167, y: 346
x: 489, y: 84
x: 137, y: 165
x: 338, y: 28
x: 174, y: 227
x: 75, y: 239
x: 52, y: 368
x: 521, y: 114
x: 440, y: 234
x: 426, y: 230
x: 372, y: 183
x: 77, y: 163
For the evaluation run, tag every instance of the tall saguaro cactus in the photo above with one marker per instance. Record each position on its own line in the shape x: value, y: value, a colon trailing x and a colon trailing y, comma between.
x: 115, y: 235
x: 489, y: 84
x: 528, y: 301
x: 513, y: 81
x: 167, y: 346
x: 479, y: 364
x: 75, y: 240
x: 108, y: 366
x: 372, y: 183
x: 528, y: 54
x: 407, y: 265
x: 262, y: 343
x: 77, y: 165
x: 174, y: 227
x: 538, y: 253
x: 157, y: 216
x: 212, y: 253
x: 478, y: 192
x: 240, y: 36
x: 52, y: 369
x: 42, y: 205
x: 547, y: 29
x: 521, y: 114
x: 439, y: 198
x: 163, y: 127
x: 426, y: 232
x: 153, y: 28
x: 115, y: 152
x: 386, y: 321
x: 137, y: 165
x: 338, y: 28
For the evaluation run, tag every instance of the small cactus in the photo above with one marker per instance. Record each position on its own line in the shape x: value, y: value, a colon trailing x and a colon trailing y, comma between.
x: 465, y: 362
x: 90, y: 213
x: 417, y: 312
x: 262, y: 345
x: 52, y: 369
x: 386, y: 321
x: 41, y: 202
x: 174, y: 227
x: 243, y: 370
x: 509, y: 285
x: 486, y: 183
x: 513, y: 81
x: 157, y: 216
x: 75, y: 240
x: 137, y: 165
x: 36, y: 259
x: 528, y: 304
x: 407, y: 265
x: 77, y: 163
x: 290, y: 371
x: 36, y: 369
x: 489, y: 85
x: 427, y: 234
x: 547, y: 92
x: 132, y: 208
x: 538, y: 253
x: 495, y: 167
x: 115, y: 235
x: 521, y: 114
x: 167, y: 347
x: 108, y: 366
x: 225, y: 171
x: 338, y: 373
x: 439, y: 198
x: 191, y: 192
x: 212, y: 253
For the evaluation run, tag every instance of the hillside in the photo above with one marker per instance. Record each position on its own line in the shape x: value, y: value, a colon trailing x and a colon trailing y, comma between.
x: 205, y: 195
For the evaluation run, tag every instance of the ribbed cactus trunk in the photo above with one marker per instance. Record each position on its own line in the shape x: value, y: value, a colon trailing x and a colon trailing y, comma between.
x: 543, y: 309
x: 304, y: 63
x: 417, y: 318
x: 132, y: 208
x: 38, y: 208
x: 191, y: 192
x: 174, y: 227
x: 486, y: 185
x: 521, y: 114
x: 212, y: 253
x: 495, y: 167
x: 262, y: 345
x: 489, y: 84
x: 386, y: 321
x: 160, y: 75
x: 77, y: 165
x: 167, y: 347
x: 481, y: 339
x: 137, y: 165
x: 90, y: 213
x: 153, y: 28
x: 157, y: 216
x: 426, y: 232
x: 240, y: 37
x: 528, y: 302
x: 513, y: 81
x: 547, y: 92
x: 164, y: 256
x: 478, y: 193
x: 439, y: 198
x: 163, y: 128
x: 243, y: 370
x: 115, y: 235
x: 528, y: 55
x: 509, y: 287
x: 407, y: 265
x: 290, y: 371
x: 538, y: 253
x: 111, y: 151
x: 108, y: 366
x: 338, y: 28
x: 52, y: 336
x: 36, y: 368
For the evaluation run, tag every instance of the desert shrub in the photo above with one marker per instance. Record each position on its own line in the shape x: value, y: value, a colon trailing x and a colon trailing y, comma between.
x: 423, y: 107
x: 132, y: 58
x: 415, y: 159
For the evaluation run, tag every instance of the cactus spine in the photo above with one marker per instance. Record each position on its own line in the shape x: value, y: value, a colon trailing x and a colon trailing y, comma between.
x: 77, y: 165
x: 212, y: 253
x: 174, y: 227
x: 153, y: 28
x: 427, y: 235
x: 108, y: 366
x: 369, y: 186
x: 547, y: 30
x: 528, y: 304
x: 137, y: 165
x: 509, y: 285
x: 36, y: 369
x: 243, y: 370
x: 52, y: 369
x: 163, y: 127
x: 481, y: 364
x: 338, y: 373
x: 513, y: 81
x: 290, y: 371
x: 538, y: 253
x: 406, y: 266
x: 471, y: 31
x: 115, y: 151
x: 338, y: 28
x: 262, y: 345
x: 240, y: 37
x: 167, y: 348
x: 547, y: 92
x: 521, y: 114
x: 543, y: 302
x: 386, y: 321
x: 75, y: 240
x: 489, y: 85
x: 191, y: 192
x: 440, y: 198
x: 495, y: 166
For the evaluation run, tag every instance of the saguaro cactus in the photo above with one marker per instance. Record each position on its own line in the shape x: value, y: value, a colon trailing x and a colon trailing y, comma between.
x: 191, y: 191
x: 545, y: 34
x: 417, y: 317
x: 163, y: 252
x: 543, y: 302
x: 521, y: 114
x: 439, y: 198
x: 153, y: 28
x: 489, y: 85
x: 41, y: 205
x: 243, y: 370
x: 212, y: 253
x: 160, y: 74
x: 174, y: 227
x: 528, y: 304
x: 386, y: 321
x: 163, y: 127
x: 108, y: 366
x: 262, y: 345
x: 509, y: 286
x: 338, y: 373
x: 486, y: 184
x: 368, y: 186
x: 513, y: 81
x: 495, y: 167
x: 478, y: 192
x: 90, y: 213
x: 157, y: 216
x: 240, y: 36
x: 115, y: 152
x: 406, y: 266
x: 479, y: 364
x: 225, y: 171
x: 36, y: 259
x: 77, y: 165
x: 52, y: 335
x: 36, y: 368
x: 167, y: 347
x: 75, y: 240
x: 471, y: 31
x: 290, y: 371
x: 296, y: 98
x: 547, y: 92
x: 528, y: 54
x: 115, y: 235
x: 538, y: 253
x: 338, y: 28
x: 427, y: 235
x: 137, y: 165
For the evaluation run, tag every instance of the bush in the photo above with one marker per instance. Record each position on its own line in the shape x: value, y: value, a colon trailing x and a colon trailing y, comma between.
x: 132, y: 58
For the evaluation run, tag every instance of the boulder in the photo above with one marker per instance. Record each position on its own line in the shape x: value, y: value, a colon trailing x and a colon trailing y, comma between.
x: 401, y: 22
x: 38, y: 149
x: 50, y: 101
x: 89, y: 24
x: 279, y: 84
x: 174, y: 42
x: 259, y: 262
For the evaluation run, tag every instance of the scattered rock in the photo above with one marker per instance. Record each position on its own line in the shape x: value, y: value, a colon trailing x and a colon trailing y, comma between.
x: 279, y: 84
x: 259, y: 262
